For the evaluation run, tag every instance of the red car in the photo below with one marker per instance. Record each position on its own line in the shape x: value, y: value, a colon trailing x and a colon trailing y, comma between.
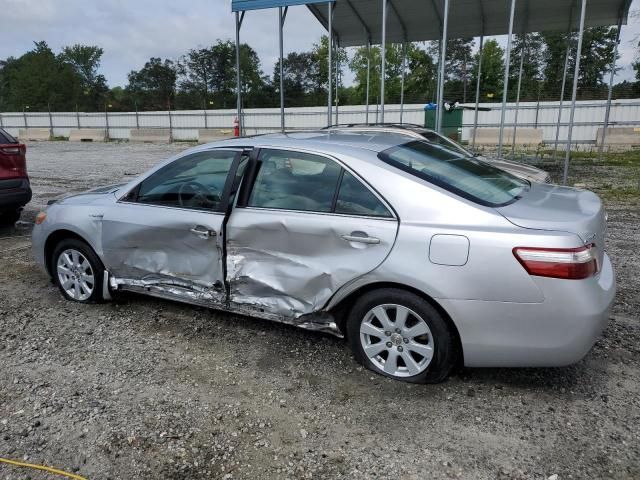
x: 15, y: 190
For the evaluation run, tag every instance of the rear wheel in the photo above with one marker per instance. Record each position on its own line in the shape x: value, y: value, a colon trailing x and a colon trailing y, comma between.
x: 398, y: 334
x: 77, y: 271
x: 9, y: 217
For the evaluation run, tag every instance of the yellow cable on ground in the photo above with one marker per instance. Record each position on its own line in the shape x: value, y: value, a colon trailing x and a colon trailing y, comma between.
x: 42, y: 467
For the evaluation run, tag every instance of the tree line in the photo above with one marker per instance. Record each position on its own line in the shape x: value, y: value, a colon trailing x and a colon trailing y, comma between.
x: 205, y: 77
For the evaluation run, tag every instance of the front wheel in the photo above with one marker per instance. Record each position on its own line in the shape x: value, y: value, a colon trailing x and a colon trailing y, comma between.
x: 398, y: 334
x: 77, y: 271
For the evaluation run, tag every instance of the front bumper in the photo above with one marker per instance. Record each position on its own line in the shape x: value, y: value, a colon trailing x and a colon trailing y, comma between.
x: 14, y: 193
x: 557, y: 332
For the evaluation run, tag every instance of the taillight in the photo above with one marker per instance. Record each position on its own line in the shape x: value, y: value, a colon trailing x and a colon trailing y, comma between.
x: 11, y: 150
x: 567, y: 263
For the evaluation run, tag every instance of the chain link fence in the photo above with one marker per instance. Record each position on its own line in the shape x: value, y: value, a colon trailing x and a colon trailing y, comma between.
x: 185, y: 125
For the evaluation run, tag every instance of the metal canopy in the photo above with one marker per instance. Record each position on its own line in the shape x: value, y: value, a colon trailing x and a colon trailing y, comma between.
x: 357, y: 22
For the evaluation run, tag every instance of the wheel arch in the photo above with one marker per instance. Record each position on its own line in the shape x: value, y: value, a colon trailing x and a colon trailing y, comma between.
x: 341, y: 310
x: 56, y: 237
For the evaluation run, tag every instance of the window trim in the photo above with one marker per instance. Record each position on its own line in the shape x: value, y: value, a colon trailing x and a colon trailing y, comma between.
x: 254, y: 164
x: 224, y: 197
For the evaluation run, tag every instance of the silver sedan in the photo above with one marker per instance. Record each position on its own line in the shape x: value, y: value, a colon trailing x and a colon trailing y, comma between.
x: 423, y: 257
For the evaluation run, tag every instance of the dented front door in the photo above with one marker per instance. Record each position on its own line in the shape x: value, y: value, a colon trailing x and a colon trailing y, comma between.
x: 299, y: 236
x: 166, y: 236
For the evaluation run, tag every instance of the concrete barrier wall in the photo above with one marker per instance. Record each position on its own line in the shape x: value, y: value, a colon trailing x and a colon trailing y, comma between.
x: 620, y: 136
x: 206, y: 135
x: 524, y: 136
x: 34, y: 134
x: 151, y: 135
x: 87, y: 135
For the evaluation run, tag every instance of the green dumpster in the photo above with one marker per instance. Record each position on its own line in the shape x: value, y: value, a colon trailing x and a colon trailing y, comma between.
x: 451, y: 121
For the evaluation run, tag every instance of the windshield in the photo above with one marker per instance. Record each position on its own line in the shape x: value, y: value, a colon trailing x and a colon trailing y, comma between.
x: 461, y: 174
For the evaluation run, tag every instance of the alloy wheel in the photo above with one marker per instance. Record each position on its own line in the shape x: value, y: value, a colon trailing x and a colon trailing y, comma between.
x: 396, y: 340
x: 75, y: 274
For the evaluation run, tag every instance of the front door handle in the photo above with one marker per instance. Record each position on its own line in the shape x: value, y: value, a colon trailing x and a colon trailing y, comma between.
x: 361, y: 238
x: 202, y: 231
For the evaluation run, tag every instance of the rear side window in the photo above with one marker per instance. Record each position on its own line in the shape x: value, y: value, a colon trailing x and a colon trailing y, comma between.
x: 356, y: 199
x: 460, y: 174
x: 292, y: 180
x: 295, y: 181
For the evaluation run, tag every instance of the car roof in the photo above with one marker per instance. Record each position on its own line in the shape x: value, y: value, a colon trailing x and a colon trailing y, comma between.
x: 329, y: 141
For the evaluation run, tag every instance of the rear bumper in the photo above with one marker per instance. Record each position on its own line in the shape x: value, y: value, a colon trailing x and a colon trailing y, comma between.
x: 14, y: 193
x: 557, y: 332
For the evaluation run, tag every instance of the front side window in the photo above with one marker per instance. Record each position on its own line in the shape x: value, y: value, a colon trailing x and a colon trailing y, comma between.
x: 461, y: 174
x: 295, y: 181
x: 195, y: 182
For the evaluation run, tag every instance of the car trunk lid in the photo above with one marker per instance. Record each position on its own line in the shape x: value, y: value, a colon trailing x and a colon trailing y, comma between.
x: 556, y: 208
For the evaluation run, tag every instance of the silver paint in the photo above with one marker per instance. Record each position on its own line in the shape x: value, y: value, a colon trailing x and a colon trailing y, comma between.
x: 295, y: 267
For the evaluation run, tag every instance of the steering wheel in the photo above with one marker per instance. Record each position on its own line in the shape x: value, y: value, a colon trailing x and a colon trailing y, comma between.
x: 201, y: 196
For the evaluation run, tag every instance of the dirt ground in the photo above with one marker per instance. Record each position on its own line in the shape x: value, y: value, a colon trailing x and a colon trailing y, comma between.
x: 143, y: 388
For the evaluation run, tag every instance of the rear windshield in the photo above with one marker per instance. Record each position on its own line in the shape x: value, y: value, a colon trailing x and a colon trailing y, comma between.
x: 461, y: 174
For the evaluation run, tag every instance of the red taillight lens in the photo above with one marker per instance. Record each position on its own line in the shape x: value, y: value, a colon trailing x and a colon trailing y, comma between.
x: 567, y: 263
x: 11, y: 150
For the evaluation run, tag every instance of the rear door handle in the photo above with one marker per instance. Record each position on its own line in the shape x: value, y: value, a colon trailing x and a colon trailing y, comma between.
x: 361, y: 239
x: 202, y: 232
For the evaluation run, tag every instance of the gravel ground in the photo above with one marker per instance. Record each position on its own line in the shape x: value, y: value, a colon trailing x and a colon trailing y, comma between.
x: 143, y: 388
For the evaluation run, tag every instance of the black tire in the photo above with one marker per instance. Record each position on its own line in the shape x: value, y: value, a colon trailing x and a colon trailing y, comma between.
x: 9, y: 217
x: 445, y: 351
x: 96, y: 268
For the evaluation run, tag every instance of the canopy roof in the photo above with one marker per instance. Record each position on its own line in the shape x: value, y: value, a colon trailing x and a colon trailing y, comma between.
x: 356, y: 22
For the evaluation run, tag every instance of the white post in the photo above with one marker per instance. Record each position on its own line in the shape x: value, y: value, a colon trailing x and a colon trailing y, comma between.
x: 574, y: 94
x: 505, y: 85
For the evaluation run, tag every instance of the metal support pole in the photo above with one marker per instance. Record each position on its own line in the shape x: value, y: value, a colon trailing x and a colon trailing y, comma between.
x: 50, y: 121
x: 238, y: 81
x: 475, y: 114
x: 24, y: 116
x: 515, y: 120
x: 1, y: 121
x: 336, y: 100
x: 281, y: 16
x: 609, y: 95
x: 404, y: 68
x: 170, y: 126
x: 204, y: 112
x: 137, y: 117
x: 106, y: 121
x: 330, y: 99
x: 383, y: 56
x: 77, y: 116
x: 437, y: 118
x: 564, y: 83
x: 368, y: 73
x: 505, y: 84
x: 443, y: 56
x: 574, y: 94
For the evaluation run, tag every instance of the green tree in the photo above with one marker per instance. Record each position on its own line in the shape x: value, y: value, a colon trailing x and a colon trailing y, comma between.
x: 85, y: 60
x: 531, y: 46
x: 457, y: 66
x: 38, y: 79
x: 153, y: 86
x: 492, y: 75
x: 393, y: 69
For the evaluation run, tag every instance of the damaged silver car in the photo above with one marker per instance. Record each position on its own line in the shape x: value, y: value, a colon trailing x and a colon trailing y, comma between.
x: 423, y: 257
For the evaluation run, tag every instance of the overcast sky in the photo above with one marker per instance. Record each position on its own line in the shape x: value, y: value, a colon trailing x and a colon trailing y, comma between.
x: 130, y: 32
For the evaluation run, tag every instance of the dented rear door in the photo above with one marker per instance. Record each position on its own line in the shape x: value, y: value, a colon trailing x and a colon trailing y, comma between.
x: 307, y: 227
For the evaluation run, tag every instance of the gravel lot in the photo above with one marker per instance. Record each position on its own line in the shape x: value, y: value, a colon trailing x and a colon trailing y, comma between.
x: 144, y: 388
